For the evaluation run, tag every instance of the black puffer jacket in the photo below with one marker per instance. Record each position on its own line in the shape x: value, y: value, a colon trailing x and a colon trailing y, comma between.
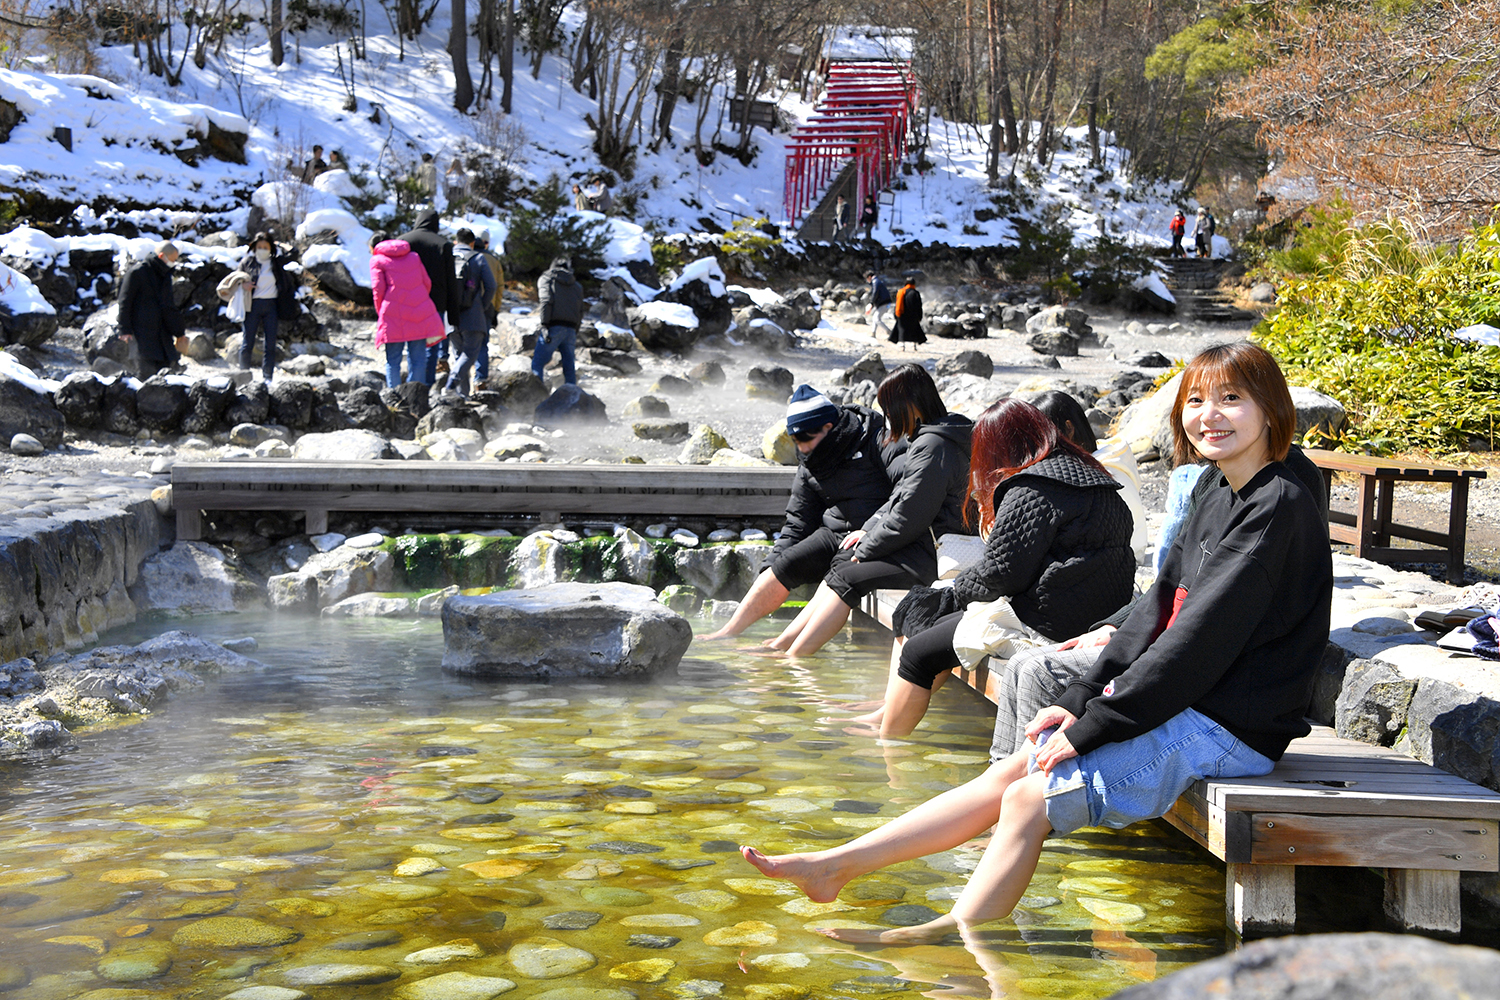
x: 928, y: 499
x: 843, y: 480
x: 1060, y: 550
x: 436, y: 255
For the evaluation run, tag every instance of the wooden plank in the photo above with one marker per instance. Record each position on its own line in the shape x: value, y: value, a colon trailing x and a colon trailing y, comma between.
x: 1373, y: 466
x: 189, y: 523
x: 1331, y: 803
x: 1381, y: 842
x: 1417, y: 900
x: 1260, y: 899
x: 582, y: 504
x: 496, y: 475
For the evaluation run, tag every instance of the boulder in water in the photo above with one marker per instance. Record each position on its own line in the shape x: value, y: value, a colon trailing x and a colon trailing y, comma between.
x: 563, y: 630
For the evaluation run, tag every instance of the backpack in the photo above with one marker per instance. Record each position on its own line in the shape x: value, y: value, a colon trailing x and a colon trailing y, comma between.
x: 469, y: 282
x: 1210, y: 224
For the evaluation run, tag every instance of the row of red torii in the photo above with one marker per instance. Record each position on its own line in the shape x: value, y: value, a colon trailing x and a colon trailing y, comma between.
x: 863, y: 116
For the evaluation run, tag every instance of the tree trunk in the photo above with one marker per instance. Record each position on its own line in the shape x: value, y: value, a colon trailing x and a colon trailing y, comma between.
x: 507, y: 52
x: 1054, y: 56
x: 458, y: 48
x: 273, y: 27
x: 1095, y: 77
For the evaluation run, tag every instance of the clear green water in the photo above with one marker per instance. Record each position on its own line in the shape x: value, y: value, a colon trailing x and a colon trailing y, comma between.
x: 353, y: 805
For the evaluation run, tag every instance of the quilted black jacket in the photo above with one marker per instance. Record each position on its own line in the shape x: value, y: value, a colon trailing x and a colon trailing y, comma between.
x: 1060, y: 550
x: 927, y: 499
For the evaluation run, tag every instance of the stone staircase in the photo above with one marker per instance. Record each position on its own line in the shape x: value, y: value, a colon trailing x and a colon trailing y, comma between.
x: 818, y: 225
x: 1194, y: 281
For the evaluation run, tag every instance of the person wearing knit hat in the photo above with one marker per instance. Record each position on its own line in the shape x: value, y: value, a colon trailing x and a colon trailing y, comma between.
x: 843, y: 477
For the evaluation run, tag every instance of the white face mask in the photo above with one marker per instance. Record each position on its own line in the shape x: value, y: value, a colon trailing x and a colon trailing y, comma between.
x: 262, y: 255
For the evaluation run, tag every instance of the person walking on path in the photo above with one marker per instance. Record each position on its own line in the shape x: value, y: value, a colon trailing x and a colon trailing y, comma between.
x: 148, y: 312
x: 1203, y: 233
x: 840, y: 219
x: 869, y: 215
x: 908, y: 310
x: 1209, y: 677
x: 406, y: 319
x: 561, y: 310
x: 843, y: 477
x: 427, y: 177
x: 267, y: 294
x: 471, y: 325
x: 436, y: 254
x: 1178, y: 228
x: 491, y: 308
x: 314, y: 166
x: 880, y: 304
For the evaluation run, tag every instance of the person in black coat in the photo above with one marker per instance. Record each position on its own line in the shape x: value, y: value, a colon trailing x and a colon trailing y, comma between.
x: 1057, y: 547
x: 843, y: 478
x: 895, y: 547
x: 908, y: 315
x: 436, y: 255
x: 148, y: 313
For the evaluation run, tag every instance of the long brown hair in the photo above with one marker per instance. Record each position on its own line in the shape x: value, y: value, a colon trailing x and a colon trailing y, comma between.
x: 1252, y: 370
x: 1010, y: 437
x: 909, y: 398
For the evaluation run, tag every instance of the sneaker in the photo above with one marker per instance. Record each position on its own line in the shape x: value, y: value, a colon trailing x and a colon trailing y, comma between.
x: 481, y: 386
x: 442, y: 366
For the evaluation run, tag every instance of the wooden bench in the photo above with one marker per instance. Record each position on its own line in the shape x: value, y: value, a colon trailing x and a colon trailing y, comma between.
x: 1332, y: 802
x: 549, y: 492
x: 762, y: 113
x: 1370, y: 528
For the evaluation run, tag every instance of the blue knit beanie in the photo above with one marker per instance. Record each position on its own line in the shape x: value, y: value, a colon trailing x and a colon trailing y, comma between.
x: 808, y: 410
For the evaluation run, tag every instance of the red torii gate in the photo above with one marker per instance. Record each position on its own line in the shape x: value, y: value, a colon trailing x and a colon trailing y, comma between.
x: 863, y: 117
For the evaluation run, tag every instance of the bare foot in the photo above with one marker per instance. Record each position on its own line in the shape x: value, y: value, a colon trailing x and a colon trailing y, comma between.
x: 929, y: 933
x: 871, y: 719
x: 722, y: 633
x: 855, y: 706
x: 869, y: 732
x: 812, y: 877
x: 781, y: 643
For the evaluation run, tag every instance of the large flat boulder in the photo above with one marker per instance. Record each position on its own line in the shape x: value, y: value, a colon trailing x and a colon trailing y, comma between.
x: 563, y: 630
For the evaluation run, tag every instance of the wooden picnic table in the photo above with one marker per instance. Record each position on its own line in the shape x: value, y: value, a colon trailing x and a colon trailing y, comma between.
x: 1370, y: 528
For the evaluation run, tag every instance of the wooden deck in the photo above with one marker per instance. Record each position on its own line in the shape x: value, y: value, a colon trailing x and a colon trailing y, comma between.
x: 1370, y: 528
x: 1334, y: 802
x: 549, y: 492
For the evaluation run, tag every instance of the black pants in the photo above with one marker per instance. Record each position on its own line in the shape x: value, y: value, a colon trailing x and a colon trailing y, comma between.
x: 929, y: 652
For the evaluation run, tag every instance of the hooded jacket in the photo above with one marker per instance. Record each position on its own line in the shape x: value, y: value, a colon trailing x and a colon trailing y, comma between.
x: 561, y: 297
x: 842, y: 481
x: 403, y: 307
x: 927, y: 500
x: 475, y: 319
x: 436, y: 254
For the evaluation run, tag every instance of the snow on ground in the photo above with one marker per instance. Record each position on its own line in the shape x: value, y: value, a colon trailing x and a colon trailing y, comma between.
x: 120, y: 130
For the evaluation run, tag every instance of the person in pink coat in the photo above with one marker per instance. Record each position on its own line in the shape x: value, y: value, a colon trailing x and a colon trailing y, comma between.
x: 405, y: 316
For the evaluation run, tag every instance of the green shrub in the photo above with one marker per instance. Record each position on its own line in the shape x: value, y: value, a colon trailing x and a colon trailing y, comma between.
x: 543, y: 231
x: 1370, y: 327
x: 749, y: 243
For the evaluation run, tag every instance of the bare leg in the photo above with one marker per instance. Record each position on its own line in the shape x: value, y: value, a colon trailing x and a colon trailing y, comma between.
x: 938, y: 824
x: 766, y: 595
x: 795, y: 626
x: 824, y: 603
x: 823, y: 624
x: 873, y: 719
x: 905, y: 704
x: 1003, y: 874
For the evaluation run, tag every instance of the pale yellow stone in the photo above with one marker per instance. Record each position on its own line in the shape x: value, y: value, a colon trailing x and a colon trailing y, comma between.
x: 125, y: 876
x: 740, y: 787
x: 210, y: 779
x: 634, y: 826
x: 761, y: 887
x: 654, y: 755
x: 234, y: 720
x: 452, y: 741
x: 860, y: 822
x: 530, y: 850
x: 728, y: 831
x: 296, y: 906
x: 84, y: 941
x: 1113, y: 910
x: 913, y: 765
x: 712, y: 900
x: 406, y: 892
x: 447, y: 764
x: 592, y: 868
x: 675, y: 784
x: 478, y: 834
x: 420, y: 793
x: 202, y: 854
x: 789, y: 961
x: 170, y: 822
x: 791, y: 807
x: 957, y: 758
x: 1098, y: 885
x: 659, y: 920
x: 603, y: 743
x: 708, y: 816
x: 412, y: 867
x: 648, y: 970
x: 133, y: 930
x: 87, y: 852
x: 256, y: 866
x: 436, y: 849
x: 775, y: 991
x: 815, y: 791
x: 595, y: 777
x: 200, y: 885
x: 745, y: 934
x: 401, y: 810
x: 492, y: 727
x: 498, y: 869
x: 636, y: 808
x: 493, y: 778
x: 738, y: 746
x: 804, y: 907
x: 562, y: 825
x: 259, y: 761
x: 534, y: 763
x: 826, y: 923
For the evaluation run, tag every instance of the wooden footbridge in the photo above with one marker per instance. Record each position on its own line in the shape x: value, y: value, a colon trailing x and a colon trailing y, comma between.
x: 548, y: 492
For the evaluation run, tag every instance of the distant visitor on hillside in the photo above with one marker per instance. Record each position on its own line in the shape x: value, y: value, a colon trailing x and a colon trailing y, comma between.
x: 455, y: 182
x: 908, y: 315
x: 869, y: 215
x: 314, y: 166
x: 1178, y: 229
x: 336, y: 161
x: 840, y: 218
x: 600, y: 200
x: 580, y: 200
x: 426, y: 177
x: 1203, y: 232
x: 148, y: 312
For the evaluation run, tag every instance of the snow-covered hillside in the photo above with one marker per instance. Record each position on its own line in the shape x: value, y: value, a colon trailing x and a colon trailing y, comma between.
x: 125, y: 136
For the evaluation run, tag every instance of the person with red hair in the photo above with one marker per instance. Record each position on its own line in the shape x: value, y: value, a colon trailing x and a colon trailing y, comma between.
x: 1057, y: 550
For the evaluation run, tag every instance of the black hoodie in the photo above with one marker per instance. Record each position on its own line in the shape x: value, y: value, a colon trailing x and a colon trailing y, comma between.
x: 436, y: 254
x: 928, y: 499
x: 842, y: 481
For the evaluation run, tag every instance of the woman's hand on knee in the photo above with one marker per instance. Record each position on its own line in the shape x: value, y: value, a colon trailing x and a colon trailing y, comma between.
x: 1089, y: 640
x: 1057, y: 749
x: 1051, y: 717
x: 852, y: 539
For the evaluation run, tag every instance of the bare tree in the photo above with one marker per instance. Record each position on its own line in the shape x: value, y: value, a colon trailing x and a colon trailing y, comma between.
x: 458, y: 48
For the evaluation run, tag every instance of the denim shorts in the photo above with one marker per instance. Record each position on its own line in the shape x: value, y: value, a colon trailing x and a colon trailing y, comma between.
x: 1123, y: 783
